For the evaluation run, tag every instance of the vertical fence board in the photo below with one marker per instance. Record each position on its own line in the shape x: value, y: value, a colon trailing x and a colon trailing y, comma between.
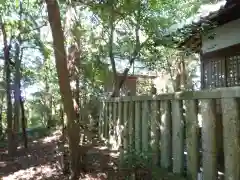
x: 120, y: 130
x: 125, y: 130
x: 138, y: 126
x: 154, y: 133
x: 110, y: 120
x: 131, y: 124
x: 145, y: 126
x: 106, y: 121
x: 178, y: 137
x: 209, y: 139
x: 166, y: 127
x: 192, y: 140
x: 101, y: 120
x: 114, y: 124
x: 120, y: 123
x: 231, y: 135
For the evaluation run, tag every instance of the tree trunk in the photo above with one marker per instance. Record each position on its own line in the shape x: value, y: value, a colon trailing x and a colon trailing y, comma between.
x: 118, y: 84
x: 24, y: 124
x: 64, y: 83
x: 17, y: 91
x: 10, y: 132
x: 1, y: 106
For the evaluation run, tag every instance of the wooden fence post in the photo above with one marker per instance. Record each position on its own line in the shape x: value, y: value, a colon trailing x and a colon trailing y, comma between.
x: 138, y: 126
x: 131, y: 124
x: 231, y: 138
x: 177, y: 137
x: 209, y: 139
x: 110, y: 120
x: 125, y: 130
x: 114, y: 124
x: 166, y: 128
x: 121, y: 131
x: 106, y: 120
x: 145, y: 127
x: 192, y: 140
x: 101, y: 119
x: 155, y: 124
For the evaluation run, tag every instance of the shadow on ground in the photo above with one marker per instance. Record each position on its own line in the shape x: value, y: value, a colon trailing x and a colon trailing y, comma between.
x: 41, y: 161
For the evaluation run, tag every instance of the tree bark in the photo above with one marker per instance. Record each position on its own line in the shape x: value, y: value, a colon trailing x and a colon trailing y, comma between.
x: 24, y: 124
x: 17, y: 91
x: 10, y: 132
x: 64, y: 83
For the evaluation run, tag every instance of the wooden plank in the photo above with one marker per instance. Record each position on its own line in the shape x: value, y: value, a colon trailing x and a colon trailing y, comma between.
x: 185, y: 95
x: 177, y: 137
x: 138, y: 126
x: 192, y: 140
x: 120, y: 123
x: 101, y: 120
x: 155, y: 123
x: 231, y: 138
x: 209, y: 139
x: 110, y: 120
x: 106, y: 121
x: 114, y: 124
x: 125, y: 130
x: 145, y: 126
x: 120, y: 135
x: 131, y: 125
x: 166, y: 128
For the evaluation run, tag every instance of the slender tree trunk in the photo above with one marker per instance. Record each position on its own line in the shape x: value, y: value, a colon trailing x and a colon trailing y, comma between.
x: 1, y: 106
x: 24, y: 124
x: 17, y: 91
x: 111, y: 54
x: 135, y: 54
x: 10, y: 132
x: 64, y: 83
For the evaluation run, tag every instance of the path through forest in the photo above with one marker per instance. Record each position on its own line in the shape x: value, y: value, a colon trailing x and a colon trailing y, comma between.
x: 41, y: 161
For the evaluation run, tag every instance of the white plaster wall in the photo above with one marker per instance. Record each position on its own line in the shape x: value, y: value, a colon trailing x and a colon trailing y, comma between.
x: 226, y: 35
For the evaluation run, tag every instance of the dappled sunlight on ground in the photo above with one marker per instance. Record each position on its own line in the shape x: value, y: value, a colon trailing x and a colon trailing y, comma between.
x: 36, y: 173
x: 41, y: 161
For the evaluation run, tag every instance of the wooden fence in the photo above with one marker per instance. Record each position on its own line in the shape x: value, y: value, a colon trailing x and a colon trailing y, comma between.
x: 159, y: 124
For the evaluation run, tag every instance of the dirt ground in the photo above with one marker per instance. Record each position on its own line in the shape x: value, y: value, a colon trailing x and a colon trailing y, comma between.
x: 41, y: 161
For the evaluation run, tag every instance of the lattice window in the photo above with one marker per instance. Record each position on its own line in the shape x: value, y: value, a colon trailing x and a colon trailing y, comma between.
x: 233, y: 67
x: 213, y: 73
x: 221, y: 73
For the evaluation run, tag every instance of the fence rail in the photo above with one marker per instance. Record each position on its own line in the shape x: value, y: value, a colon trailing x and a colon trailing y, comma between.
x: 165, y: 124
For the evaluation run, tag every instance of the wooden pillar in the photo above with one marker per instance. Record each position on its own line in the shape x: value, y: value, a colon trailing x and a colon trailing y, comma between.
x: 209, y: 139
x: 166, y: 128
x: 192, y: 140
x: 178, y: 137
x: 231, y: 138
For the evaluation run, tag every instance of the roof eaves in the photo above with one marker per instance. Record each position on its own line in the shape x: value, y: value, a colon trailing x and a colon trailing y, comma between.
x: 198, y: 23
